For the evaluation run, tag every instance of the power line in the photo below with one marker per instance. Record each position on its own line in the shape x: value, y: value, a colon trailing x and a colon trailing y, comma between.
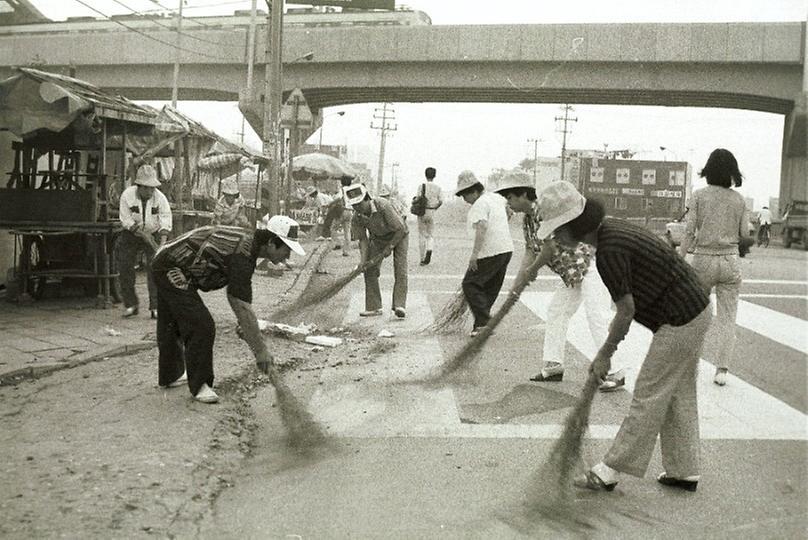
x: 198, y: 6
x: 144, y: 34
x: 158, y: 23
x: 194, y: 7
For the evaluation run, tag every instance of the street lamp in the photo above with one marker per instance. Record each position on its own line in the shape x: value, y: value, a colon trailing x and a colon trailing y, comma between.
x: 322, y: 126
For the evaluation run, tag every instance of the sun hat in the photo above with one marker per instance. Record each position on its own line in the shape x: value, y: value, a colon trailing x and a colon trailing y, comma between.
x: 515, y: 179
x: 559, y: 203
x: 147, y: 177
x: 465, y: 180
x: 354, y: 194
x: 229, y: 187
x: 286, y: 229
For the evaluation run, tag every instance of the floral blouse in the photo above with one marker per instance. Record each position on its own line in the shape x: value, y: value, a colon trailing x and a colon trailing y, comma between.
x: 571, y: 264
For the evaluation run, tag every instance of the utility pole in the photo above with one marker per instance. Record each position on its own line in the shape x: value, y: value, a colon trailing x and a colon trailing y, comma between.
x: 535, y: 158
x: 177, y: 51
x: 566, y: 120
x: 294, y: 136
x: 273, y: 91
x: 383, y: 127
x: 394, y: 177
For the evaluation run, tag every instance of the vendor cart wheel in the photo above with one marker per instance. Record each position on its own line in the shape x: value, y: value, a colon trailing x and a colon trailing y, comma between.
x: 33, y: 245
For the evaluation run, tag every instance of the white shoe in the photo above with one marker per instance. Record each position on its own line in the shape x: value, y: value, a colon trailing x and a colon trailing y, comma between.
x: 370, y: 313
x: 720, y: 377
x: 130, y: 312
x: 206, y: 395
x: 179, y: 382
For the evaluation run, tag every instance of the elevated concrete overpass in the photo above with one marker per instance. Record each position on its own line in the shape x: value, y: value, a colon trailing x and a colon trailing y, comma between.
x: 754, y: 66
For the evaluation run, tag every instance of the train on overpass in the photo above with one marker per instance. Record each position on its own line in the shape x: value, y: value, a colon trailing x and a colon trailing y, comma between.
x: 295, y: 18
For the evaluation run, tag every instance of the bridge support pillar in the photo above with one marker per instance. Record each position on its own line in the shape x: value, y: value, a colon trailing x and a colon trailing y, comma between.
x: 794, y: 162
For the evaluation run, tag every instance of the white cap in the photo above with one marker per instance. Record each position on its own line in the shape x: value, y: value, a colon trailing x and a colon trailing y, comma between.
x: 559, y: 203
x: 230, y: 187
x: 286, y: 229
x: 354, y: 194
x: 146, y: 176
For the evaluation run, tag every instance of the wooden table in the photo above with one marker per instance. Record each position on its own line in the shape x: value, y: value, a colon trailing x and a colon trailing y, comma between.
x: 98, y: 263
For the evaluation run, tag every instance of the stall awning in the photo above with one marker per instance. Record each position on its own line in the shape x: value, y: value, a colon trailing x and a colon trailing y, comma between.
x: 34, y: 100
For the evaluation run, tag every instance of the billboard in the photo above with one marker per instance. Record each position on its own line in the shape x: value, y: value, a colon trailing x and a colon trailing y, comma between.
x: 355, y: 4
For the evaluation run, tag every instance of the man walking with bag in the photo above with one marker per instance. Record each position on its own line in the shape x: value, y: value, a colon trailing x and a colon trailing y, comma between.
x: 428, y: 200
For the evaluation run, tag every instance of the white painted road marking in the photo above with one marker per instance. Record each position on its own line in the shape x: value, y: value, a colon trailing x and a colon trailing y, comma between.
x: 374, y: 408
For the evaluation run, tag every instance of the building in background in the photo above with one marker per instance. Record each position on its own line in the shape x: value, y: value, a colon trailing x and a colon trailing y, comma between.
x: 649, y: 193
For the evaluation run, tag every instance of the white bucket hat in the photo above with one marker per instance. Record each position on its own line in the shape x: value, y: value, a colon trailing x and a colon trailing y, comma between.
x: 229, y: 187
x: 559, y: 203
x: 147, y: 176
x: 286, y: 229
x: 515, y: 179
x: 465, y: 180
x: 354, y: 194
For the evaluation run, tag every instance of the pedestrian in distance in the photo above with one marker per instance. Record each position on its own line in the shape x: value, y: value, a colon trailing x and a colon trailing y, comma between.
x: 717, y: 223
x: 651, y: 284
x: 146, y: 220
x: 230, y: 209
x: 206, y: 259
x: 379, y: 227
x: 426, y: 223
x: 338, y: 211
x: 386, y: 194
x: 764, y: 231
x: 580, y: 284
x: 491, y: 252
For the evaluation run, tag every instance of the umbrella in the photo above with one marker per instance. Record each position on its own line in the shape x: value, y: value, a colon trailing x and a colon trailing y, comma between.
x: 321, y: 166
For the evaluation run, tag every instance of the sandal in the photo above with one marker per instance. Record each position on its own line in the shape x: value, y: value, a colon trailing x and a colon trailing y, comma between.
x: 687, y: 485
x: 590, y: 480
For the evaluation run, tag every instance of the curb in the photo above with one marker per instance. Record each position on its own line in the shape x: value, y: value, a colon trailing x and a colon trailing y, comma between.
x: 11, y: 378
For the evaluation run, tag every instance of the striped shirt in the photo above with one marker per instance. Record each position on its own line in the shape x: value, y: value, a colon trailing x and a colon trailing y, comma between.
x: 570, y: 263
x: 632, y: 260
x: 212, y: 257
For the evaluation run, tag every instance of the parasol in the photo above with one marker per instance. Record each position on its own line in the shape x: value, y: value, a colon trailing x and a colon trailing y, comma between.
x: 321, y: 166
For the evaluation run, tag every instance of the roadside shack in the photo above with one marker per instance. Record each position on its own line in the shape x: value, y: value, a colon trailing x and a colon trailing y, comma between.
x: 59, y: 199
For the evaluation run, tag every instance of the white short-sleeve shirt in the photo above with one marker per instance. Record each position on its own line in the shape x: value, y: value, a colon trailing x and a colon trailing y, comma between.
x: 490, y: 208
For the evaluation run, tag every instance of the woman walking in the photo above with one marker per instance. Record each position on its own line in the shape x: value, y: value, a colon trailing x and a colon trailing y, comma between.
x: 717, y: 220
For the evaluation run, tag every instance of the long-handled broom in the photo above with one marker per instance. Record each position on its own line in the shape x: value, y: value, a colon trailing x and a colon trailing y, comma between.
x: 451, y: 316
x: 473, y: 347
x: 311, y: 297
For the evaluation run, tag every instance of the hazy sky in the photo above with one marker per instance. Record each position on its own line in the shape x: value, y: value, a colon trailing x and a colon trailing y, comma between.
x: 480, y: 137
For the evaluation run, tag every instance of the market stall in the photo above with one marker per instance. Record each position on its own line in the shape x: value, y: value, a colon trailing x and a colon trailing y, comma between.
x: 59, y: 197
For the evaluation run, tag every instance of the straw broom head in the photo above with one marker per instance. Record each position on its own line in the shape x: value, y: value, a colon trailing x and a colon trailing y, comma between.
x: 451, y: 316
x: 304, y: 433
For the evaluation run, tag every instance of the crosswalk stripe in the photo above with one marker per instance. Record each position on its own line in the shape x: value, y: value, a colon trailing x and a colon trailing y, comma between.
x: 784, y: 329
x: 359, y: 401
x: 735, y: 411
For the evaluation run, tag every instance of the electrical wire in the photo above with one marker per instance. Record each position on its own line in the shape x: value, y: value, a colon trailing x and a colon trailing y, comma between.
x: 194, y: 21
x: 159, y: 23
x: 144, y: 34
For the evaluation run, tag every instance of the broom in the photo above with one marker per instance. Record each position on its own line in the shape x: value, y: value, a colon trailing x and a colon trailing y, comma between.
x: 311, y: 297
x: 451, y: 316
x: 470, y: 350
x: 304, y: 432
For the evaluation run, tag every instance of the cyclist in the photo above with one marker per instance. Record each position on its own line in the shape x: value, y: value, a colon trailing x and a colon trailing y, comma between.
x: 764, y: 232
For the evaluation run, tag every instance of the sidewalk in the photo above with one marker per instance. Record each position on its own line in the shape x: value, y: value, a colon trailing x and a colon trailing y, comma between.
x: 55, y: 334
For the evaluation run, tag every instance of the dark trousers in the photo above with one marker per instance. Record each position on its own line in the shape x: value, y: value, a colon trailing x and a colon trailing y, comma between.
x: 185, y: 335
x: 481, y: 287
x: 128, y: 247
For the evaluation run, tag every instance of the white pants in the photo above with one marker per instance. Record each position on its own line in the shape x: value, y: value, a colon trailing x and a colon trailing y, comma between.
x: 565, y: 302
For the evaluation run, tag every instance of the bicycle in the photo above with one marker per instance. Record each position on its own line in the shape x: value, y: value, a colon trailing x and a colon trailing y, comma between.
x: 764, y: 235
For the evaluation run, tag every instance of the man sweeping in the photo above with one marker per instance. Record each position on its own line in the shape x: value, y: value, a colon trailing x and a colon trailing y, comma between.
x: 651, y: 284
x: 206, y: 259
x: 488, y: 221
x: 379, y: 228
